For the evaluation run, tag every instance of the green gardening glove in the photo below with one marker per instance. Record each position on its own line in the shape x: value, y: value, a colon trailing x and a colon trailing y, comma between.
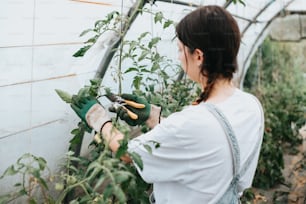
x: 90, y: 111
x: 133, y: 105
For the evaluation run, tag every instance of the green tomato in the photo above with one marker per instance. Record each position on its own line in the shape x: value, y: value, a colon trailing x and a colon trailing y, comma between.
x: 71, y: 180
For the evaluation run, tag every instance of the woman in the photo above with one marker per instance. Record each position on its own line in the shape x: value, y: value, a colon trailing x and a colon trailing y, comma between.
x: 209, y: 151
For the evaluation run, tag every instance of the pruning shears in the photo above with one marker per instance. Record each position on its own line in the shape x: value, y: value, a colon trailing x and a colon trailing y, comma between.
x: 121, y: 102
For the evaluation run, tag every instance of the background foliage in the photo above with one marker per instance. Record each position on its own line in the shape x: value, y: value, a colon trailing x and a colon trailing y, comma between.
x: 276, y: 78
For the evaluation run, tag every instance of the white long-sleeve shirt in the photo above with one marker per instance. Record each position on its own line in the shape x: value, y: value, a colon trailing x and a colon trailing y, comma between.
x: 193, y: 163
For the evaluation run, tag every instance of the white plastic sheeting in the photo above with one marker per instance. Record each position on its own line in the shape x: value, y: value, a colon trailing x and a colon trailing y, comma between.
x: 37, y: 40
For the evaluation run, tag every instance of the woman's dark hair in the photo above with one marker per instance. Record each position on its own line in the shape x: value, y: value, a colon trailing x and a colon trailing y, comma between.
x: 215, y: 32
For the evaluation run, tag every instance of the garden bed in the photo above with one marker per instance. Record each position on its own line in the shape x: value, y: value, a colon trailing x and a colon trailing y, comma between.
x: 293, y: 191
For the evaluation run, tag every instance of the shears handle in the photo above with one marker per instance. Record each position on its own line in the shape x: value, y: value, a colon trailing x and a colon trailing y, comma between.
x: 134, y: 104
x: 130, y: 113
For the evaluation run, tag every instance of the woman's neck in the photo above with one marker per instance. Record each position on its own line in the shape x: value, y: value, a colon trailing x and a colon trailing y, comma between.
x: 222, y: 89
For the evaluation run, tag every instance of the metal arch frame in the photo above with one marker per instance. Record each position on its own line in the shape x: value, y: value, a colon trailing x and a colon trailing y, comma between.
x: 117, y: 40
x: 135, y: 9
x: 256, y: 43
x: 255, y: 18
x: 132, y: 14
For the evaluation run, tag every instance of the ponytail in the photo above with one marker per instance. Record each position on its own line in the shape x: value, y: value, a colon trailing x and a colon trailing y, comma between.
x: 211, y: 79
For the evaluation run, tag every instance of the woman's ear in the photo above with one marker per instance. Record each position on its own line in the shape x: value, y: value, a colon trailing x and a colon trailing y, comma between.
x: 198, y: 56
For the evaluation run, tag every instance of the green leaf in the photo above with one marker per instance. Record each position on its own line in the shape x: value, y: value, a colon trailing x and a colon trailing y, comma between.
x: 93, y: 174
x: 85, y: 32
x: 167, y: 23
x: 4, y: 198
x: 22, y: 192
x: 143, y: 35
x: 86, y: 199
x: 16, y: 185
x: 75, y: 201
x: 92, y: 40
x: 76, y: 139
x: 70, y: 153
x: 77, y: 159
x: 36, y: 173
x: 143, y: 54
x: 42, y: 163
x: 99, y: 23
x: 137, y: 81
x: 94, y: 165
x: 112, y: 15
x: 148, y: 148
x: 242, y: 2
x: 145, y: 70
x: 75, y: 131
x: 108, y: 191
x: 137, y: 159
x: 122, y: 176
x: 32, y: 201
x: 118, y: 192
x: 157, y: 144
x: 10, y: 171
x: 153, y: 42
x: 64, y: 96
x: 81, y: 52
x: 99, y: 181
x: 73, y: 168
x: 155, y: 67
x: 158, y: 17
x: 122, y: 148
x: 96, y: 81
x: 131, y: 69
x: 43, y: 182
x: 83, y: 92
x: 236, y: 1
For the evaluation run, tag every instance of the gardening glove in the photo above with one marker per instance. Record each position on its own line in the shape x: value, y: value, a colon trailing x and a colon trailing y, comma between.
x: 149, y: 114
x: 91, y: 112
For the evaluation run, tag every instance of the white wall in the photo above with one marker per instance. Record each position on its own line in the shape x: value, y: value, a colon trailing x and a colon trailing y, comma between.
x: 37, y: 41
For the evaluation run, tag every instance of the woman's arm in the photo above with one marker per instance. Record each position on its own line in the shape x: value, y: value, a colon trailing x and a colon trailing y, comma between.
x: 113, y: 136
x: 155, y: 116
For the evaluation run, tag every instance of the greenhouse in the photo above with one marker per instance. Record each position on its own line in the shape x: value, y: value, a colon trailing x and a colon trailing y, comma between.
x: 55, y: 52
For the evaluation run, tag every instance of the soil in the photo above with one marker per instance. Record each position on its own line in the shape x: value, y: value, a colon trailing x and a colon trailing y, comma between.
x: 293, y: 191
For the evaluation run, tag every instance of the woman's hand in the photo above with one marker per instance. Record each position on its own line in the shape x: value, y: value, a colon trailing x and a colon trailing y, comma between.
x: 137, y: 110
x: 91, y: 111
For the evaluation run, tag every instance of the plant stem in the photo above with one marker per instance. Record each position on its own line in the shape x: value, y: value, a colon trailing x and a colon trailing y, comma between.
x: 111, y: 50
x: 63, y: 195
x: 120, y: 51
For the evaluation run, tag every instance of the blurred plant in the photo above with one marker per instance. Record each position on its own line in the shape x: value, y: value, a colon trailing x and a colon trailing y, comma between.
x: 110, y: 23
x: 153, y: 77
x: 237, y: 1
x: 275, y: 78
x: 103, y: 172
x: 32, y: 170
x: 100, y: 177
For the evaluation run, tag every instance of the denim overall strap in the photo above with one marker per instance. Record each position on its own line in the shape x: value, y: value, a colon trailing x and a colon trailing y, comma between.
x: 230, y: 136
x: 230, y: 196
